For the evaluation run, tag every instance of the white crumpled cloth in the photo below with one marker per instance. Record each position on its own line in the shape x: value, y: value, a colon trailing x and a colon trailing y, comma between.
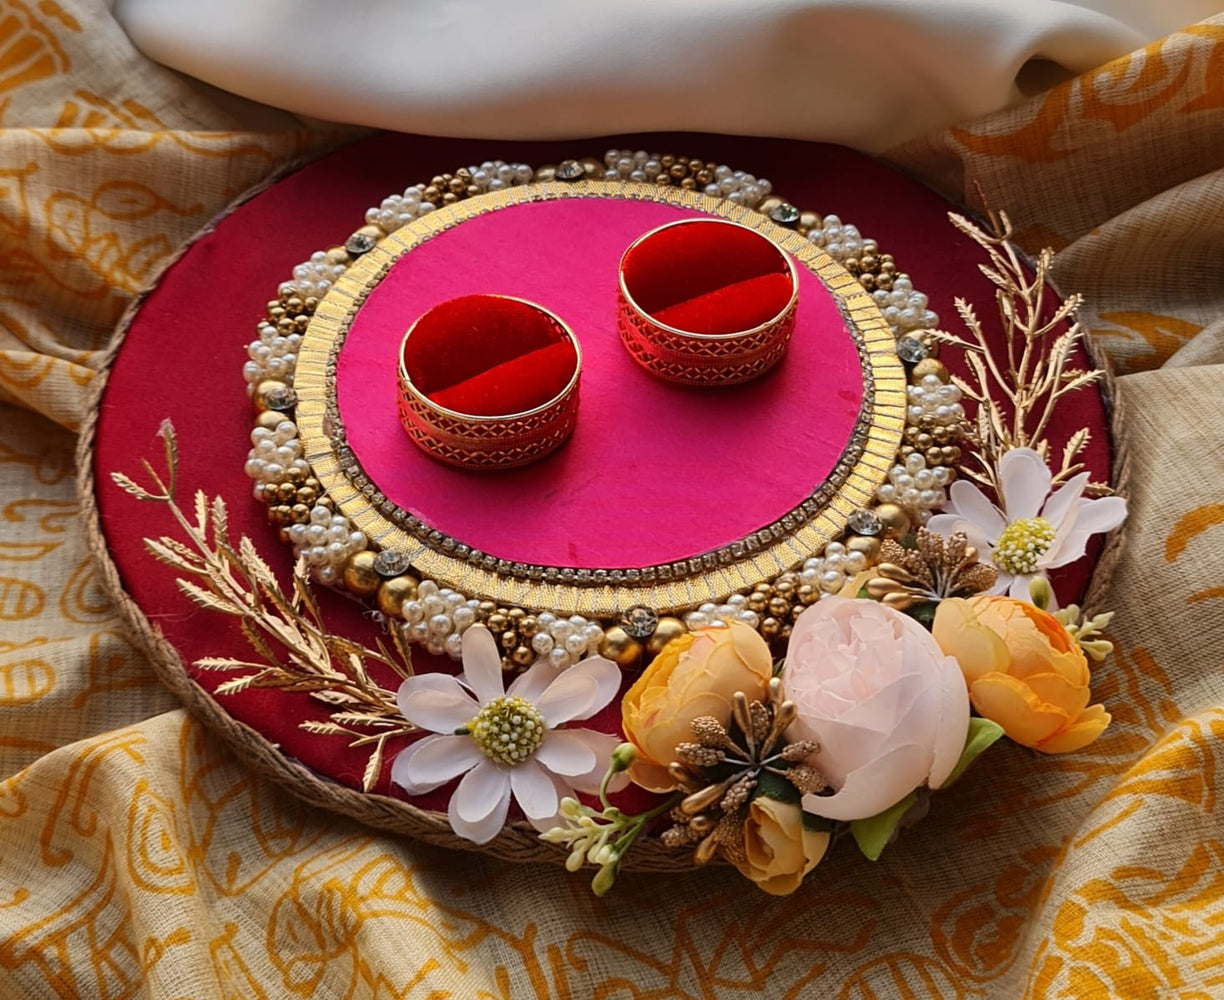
x: 865, y: 73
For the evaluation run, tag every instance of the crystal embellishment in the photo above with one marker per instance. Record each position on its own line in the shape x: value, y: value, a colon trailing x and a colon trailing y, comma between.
x: 911, y: 350
x: 864, y: 522
x: 785, y: 215
x: 570, y: 170
x: 640, y: 621
x: 390, y: 562
x: 282, y: 398
x: 360, y: 243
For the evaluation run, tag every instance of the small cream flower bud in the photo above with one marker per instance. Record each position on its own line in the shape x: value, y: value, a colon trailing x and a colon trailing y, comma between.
x: 1040, y: 592
x: 623, y: 757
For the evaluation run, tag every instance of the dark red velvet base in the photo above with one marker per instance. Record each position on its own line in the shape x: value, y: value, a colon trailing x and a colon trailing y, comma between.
x: 184, y: 350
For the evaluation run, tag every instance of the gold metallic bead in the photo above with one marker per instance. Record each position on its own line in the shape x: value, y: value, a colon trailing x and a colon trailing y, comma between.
x: 779, y: 607
x: 771, y: 628
x: 809, y: 221
x: 689, y: 184
x: 394, y: 592
x: 509, y: 639
x: 371, y: 231
x: 449, y: 198
x: 337, y: 255
x: 620, y: 647
x: 757, y: 603
x: 870, y: 262
x: 884, y: 280
x: 767, y: 205
x: 294, y: 304
x: 472, y: 191
x: 546, y: 173
x: 516, y: 615
x: 528, y: 626
x: 705, y: 177
x: 869, y: 545
x: 808, y: 594
x: 667, y: 160
x: 678, y: 171
x: 868, y: 282
x: 497, y: 621
x: 523, y: 656
x: 668, y: 629
x: 924, y: 441
x: 299, y: 513
x: 432, y: 194
x: 929, y: 366
x: 895, y: 520
x: 457, y: 185
x: 933, y: 456
x: 359, y: 575
x: 485, y: 609
x: 269, y: 419
x: 592, y: 167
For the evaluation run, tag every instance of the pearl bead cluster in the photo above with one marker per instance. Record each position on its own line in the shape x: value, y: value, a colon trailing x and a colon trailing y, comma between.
x: 735, y: 185
x: 400, y: 209
x: 312, y: 279
x: 916, y: 487
x: 326, y: 542
x: 935, y: 402
x: 438, y: 616
x: 904, y: 308
x: 272, y: 356
x: 736, y: 609
x: 917, y: 483
x: 274, y: 455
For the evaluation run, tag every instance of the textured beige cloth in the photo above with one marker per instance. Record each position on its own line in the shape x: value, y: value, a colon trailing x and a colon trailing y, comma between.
x: 139, y: 858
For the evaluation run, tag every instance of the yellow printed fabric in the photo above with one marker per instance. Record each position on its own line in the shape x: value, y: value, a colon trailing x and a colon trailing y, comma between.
x: 139, y: 858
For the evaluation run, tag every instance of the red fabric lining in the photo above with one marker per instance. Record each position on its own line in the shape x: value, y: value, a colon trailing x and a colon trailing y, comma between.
x: 514, y: 386
x: 741, y: 305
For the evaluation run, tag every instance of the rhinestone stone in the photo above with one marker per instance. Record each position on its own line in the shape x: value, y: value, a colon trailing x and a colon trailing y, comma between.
x: 864, y: 522
x: 911, y: 350
x: 390, y: 562
x: 359, y: 243
x: 640, y: 621
x: 570, y: 170
x: 785, y: 215
x: 281, y: 399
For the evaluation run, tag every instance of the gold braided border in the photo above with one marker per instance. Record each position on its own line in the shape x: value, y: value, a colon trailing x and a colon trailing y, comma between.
x: 335, y: 315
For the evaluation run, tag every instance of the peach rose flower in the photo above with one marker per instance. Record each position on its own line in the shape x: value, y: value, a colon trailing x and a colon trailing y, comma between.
x: 1024, y: 671
x: 887, y: 706
x: 778, y: 849
x: 695, y: 675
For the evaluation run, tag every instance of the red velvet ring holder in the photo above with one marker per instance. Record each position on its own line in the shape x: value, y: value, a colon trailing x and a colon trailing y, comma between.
x: 708, y: 277
x: 489, y: 356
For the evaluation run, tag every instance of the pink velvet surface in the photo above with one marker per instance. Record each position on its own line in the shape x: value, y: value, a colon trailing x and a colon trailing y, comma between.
x: 181, y: 360
x: 617, y: 494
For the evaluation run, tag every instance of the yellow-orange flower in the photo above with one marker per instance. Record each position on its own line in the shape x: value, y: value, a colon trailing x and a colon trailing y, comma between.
x: 1023, y: 670
x: 779, y: 850
x: 695, y: 675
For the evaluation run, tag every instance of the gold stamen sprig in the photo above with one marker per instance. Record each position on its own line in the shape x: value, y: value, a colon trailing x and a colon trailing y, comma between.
x: 1018, y: 390
x: 934, y: 569
x: 294, y: 649
x: 720, y: 770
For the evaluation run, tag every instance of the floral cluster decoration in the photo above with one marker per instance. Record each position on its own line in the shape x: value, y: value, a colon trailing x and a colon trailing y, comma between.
x: 505, y: 742
x: 1035, y: 530
x: 1024, y: 670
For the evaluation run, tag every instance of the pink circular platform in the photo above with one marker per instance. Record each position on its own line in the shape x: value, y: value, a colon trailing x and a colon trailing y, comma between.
x: 654, y: 472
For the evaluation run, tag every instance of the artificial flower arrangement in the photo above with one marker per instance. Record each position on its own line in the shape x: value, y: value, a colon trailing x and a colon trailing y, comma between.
x: 885, y: 692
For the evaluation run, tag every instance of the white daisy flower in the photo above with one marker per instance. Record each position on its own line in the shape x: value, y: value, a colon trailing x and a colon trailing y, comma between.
x: 505, y: 742
x: 1036, y: 530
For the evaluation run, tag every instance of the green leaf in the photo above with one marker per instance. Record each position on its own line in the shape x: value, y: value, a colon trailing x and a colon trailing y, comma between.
x: 924, y: 613
x: 817, y: 823
x: 774, y: 786
x: 982, y: 733
x: 871, y: 834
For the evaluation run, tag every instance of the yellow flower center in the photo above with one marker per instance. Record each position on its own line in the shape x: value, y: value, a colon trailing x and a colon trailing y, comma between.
x: 508, y: 730
x: 1022, y: 543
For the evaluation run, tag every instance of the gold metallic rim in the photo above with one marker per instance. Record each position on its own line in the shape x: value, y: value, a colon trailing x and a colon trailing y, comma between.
x: 885, y: 395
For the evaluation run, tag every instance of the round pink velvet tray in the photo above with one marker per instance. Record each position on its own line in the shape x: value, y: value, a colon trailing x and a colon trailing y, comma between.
x: 181, y: 356
x: 654, y: 472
